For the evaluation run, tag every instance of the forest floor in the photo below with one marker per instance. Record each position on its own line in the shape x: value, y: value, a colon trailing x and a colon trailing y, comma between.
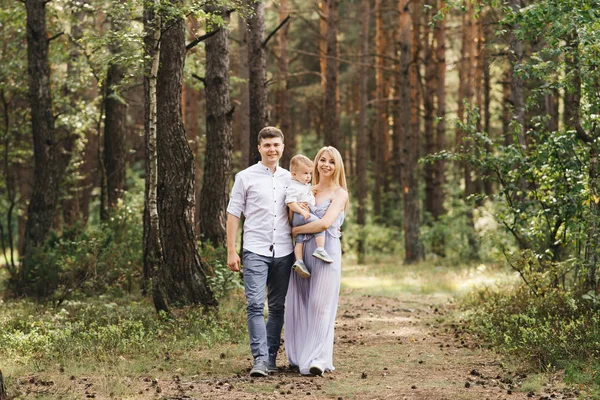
x: 398, y: 336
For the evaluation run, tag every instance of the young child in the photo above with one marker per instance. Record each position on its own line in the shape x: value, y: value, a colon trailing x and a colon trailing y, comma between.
x: 300, y: 191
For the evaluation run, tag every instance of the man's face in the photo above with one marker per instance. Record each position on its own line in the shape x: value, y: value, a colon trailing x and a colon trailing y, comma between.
x: 270, y: 150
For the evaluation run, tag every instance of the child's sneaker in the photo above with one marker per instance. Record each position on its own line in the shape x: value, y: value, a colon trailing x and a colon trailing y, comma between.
x: 322, y: 255
x: 301, y: 269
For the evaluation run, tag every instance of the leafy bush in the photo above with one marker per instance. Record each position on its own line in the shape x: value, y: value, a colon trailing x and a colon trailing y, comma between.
x: 102, y: 329
x: 99, y: 259
x: 222, y: 281
x: 555, y: 328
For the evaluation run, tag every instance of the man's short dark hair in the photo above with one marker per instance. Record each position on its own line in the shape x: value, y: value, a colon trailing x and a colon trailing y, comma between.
x: 269, y: 132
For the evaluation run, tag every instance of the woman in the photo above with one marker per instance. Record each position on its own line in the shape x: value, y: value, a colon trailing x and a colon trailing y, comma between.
x: 311, y: 304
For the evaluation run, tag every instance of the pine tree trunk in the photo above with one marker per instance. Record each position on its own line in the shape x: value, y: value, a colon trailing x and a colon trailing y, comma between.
x: 517, y: 84
x: 283, y: 103
x: 406, y: 120
x: 257, y: 66
x: 440, y: 166
x: 469, y: 82
x: 487, y: 115
x: 70, y: 204
x: 3, y: 394
x: 192, y: 113
x: 506, y: 107
x: 331, y: 123
x: 429, y: 92
x: 361, y: 145
x: 114, y: 133
x: 379, y: 130
x: 48, y: 166
x: 243, y: 110
x: 153, y: 257
x: 183, y: 280
x: 219, y: 117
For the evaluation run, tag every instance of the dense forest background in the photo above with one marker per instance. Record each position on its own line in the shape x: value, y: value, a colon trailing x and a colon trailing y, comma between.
x: 469, y: 131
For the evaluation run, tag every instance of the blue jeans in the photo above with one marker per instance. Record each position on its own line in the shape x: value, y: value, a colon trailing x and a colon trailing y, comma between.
x: 272, y: 273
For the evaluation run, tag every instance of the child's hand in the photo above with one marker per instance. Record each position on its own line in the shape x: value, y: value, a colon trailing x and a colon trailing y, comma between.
x: 305, y: 214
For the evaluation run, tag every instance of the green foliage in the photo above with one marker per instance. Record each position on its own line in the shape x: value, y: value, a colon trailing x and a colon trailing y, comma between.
x: 222, y: 280
x: 105, y: 328
x: 556, y: 329
x: 101, y: 259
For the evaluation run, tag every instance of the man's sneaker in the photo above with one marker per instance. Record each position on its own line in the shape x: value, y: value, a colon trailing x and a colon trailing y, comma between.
x: 259, y: 369
x: 272, y: 366
x: 315, y: 369
x: 322, y: 255
x: 301, y: 269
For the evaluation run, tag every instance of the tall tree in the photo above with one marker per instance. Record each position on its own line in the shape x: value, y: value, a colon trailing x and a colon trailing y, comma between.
x: 49, y: 168
x: 361, y: 145
x: 517, y: 83
x: 115, y: 128
x: 440, y: 165
x: 183, y: 280
x: 153, y: 256
x: 243, y: 110
x: 429, y: 92
x: 410, y: 144
x: 466, y: 84
x: 219, y: 118
x: 283, y: 95
x: 380, y: 114
x: 257, y: 66
x: 332, y: 122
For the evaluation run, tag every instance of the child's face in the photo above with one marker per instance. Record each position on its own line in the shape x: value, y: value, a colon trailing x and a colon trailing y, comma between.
x: 302, y: 174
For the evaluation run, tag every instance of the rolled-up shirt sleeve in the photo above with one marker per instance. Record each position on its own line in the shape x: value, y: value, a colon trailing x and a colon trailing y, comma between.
x: 237, y: 198
x: 291, y: 196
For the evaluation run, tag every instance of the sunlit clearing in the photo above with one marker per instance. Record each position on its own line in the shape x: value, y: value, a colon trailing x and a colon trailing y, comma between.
x: 390, y: 278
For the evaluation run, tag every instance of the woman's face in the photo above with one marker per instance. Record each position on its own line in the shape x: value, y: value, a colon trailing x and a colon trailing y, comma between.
x: 326, y: 165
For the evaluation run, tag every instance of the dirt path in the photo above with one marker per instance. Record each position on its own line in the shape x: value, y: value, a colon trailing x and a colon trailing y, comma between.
x: 393, y: 340
x: 385, y: 349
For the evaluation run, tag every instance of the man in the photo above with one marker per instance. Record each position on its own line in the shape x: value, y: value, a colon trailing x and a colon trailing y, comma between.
x: 259, y: 194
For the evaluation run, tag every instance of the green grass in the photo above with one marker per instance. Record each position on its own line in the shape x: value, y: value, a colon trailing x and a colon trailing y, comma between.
x: 110, y: 339
x: 390, y: 278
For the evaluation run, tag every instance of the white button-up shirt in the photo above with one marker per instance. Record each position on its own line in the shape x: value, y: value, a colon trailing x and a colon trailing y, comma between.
x: 260, y: 196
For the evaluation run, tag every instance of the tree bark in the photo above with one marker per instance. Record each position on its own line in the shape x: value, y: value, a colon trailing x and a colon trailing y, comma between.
x: 283, y: 96
x: 219, y: 118
x: 115, y: 129
x: 153, y: 257
x: 332, y: 121
x: 361, y: 145
x: 517, y: 84
x: 243, y: 110
x: 440, y: 166
x: 406, y: 123
x: 70, y: 204
x: 379, y: 132
x: 183, y: 280
x: 257, y: 66
x: 3, y: 394
x: 429, y: 92
x: 506, y: 107
x: 49, y: 168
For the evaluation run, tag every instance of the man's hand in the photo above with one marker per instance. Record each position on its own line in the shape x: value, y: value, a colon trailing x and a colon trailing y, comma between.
x: 233, y: 261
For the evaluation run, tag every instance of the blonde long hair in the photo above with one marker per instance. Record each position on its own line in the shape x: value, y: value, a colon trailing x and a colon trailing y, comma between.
x: 339, y: 173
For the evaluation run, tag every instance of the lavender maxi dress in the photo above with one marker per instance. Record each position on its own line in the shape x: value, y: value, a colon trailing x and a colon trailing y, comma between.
x: 311, y: 304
